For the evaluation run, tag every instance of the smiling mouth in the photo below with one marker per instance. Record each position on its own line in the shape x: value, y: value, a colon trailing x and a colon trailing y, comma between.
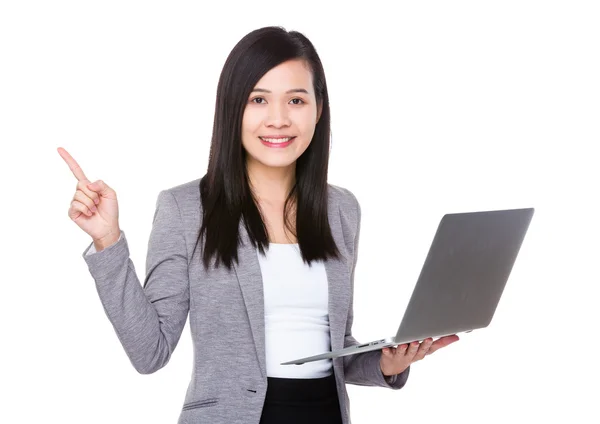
x: 277, y: 140
x: 277, y: 143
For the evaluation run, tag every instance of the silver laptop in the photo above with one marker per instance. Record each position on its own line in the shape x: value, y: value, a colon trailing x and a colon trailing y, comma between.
x: 462, y: 279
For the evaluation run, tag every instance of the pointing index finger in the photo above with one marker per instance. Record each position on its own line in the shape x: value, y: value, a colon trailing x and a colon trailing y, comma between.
x: 73, y: 165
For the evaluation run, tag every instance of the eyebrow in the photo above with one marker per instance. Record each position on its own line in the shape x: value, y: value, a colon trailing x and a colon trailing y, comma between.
x: 293, y: 90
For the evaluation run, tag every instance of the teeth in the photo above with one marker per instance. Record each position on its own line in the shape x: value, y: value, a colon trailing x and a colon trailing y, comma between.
x: 276, y: 140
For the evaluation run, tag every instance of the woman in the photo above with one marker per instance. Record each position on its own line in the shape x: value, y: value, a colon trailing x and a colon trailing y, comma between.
x: 260, y: 252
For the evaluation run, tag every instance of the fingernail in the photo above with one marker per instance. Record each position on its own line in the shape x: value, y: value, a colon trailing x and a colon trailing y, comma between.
x: 94, y: 209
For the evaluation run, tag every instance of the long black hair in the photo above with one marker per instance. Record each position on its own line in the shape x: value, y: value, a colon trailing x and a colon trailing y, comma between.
x: 225, y: 192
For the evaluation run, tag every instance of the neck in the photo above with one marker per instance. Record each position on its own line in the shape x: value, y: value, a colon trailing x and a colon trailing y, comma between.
x: 271, y: 184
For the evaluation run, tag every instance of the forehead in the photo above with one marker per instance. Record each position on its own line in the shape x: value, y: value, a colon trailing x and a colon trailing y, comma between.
x: 287, y: 75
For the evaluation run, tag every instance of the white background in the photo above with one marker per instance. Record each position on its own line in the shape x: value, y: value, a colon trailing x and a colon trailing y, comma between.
x: 436, y: 107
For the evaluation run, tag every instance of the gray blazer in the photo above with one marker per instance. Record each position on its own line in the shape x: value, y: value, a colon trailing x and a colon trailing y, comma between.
x: 228, y: 385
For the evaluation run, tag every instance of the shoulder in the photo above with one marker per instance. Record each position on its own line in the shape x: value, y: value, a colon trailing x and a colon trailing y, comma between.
x: 183, y: 191
x: 184, y: 195
x: 186, y: 188
x: 342, y: 197
x: 344, y: 201
x: 189, y: 192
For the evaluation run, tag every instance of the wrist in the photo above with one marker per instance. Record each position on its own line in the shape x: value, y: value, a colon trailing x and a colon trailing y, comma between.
x: 108, y: 240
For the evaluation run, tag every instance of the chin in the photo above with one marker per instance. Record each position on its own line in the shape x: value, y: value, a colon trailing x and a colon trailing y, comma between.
x: 277, y: 163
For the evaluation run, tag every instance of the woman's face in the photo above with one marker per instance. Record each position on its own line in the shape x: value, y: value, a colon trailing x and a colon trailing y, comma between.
x: 280, y: 116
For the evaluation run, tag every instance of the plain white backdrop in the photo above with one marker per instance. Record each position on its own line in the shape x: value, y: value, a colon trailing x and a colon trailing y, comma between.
x: 437, y: 107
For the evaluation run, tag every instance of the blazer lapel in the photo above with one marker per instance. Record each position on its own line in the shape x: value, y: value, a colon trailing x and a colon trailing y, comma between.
x: 249, y: 276
x: 339, y: 299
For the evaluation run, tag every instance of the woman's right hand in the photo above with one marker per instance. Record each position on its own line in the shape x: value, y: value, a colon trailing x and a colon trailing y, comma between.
x: 94, y: 207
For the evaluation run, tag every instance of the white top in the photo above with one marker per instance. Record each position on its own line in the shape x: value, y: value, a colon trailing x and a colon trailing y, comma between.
x: 296, y: 312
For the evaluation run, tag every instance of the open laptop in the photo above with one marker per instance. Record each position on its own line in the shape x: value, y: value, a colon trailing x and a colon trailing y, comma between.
x: 462, y: 279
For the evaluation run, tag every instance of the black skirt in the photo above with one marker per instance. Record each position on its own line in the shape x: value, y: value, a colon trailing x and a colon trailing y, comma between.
x: 301, y: 401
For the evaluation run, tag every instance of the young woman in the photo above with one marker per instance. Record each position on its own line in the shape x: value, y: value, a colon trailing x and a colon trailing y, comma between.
x: 260, y: 252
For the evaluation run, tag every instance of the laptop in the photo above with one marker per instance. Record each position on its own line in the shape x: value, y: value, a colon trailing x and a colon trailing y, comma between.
x: 461, y: 281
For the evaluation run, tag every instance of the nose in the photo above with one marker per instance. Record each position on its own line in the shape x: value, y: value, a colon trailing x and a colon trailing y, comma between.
x: 277, y: 116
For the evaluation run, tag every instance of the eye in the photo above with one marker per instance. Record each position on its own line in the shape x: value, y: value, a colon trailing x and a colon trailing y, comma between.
x: 262, y: 98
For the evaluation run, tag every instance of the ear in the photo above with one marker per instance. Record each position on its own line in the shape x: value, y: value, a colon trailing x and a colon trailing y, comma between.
x: 319, y: 110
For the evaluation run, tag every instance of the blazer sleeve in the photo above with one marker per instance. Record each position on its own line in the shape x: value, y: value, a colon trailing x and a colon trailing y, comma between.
x: 148, y: 319
x: 363, y: 369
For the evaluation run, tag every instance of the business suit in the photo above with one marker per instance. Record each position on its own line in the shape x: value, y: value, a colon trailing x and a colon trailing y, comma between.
x: 225, y: 308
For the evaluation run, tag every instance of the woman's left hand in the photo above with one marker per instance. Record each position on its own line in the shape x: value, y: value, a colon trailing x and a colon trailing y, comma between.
x: 395, y: 360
